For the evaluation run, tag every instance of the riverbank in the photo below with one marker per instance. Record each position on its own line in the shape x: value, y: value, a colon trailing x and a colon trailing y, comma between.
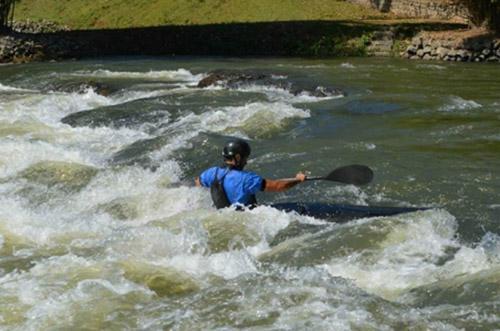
x: 459, y: 46
x: 322, y: 28
x: 297, y: 39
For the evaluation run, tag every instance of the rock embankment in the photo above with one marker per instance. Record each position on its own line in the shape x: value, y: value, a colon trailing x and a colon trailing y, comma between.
x: 32, y: 41
x: 18, y: 49
x: 433, y: 9
x: 473, y: 46
x: 23, y: 47
x: 42, y: 41
x: 43, y: 26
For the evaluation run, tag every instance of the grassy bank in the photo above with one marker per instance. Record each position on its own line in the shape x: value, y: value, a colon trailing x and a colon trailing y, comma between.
x: 318, y: 28
x: 99, y: 14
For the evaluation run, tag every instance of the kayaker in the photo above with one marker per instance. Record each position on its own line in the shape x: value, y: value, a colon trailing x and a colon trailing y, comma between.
x: 231, y: 185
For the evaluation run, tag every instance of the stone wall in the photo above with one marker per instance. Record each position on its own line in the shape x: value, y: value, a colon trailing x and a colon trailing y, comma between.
x: 433, y: 9
x: 474, y: 47
x: 40, y: 26
x: 30, y: 41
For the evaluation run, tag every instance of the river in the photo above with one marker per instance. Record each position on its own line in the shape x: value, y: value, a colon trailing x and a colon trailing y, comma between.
x: 102, y: 228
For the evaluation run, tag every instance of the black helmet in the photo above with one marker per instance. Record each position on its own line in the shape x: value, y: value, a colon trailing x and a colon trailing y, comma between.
x: 236, y: 146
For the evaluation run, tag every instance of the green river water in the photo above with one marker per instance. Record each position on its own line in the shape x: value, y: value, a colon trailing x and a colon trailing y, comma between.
x: 101, y: 227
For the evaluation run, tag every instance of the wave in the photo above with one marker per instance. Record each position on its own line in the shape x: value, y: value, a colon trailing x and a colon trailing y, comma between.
x: 431, y: 66
x: 416, y: 250
x: 166, y: 75
x: 274, y: 93
x: 250, y: 120
x: 302, y: 66
x: 49, y: 108
x: 458, y: 103
x: 7, y: 88
x: 348, y: 65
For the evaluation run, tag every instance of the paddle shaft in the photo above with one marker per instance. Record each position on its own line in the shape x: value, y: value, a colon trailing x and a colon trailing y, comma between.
x: 307, y: 178
x: 316, y: 178
x: 352, y: 174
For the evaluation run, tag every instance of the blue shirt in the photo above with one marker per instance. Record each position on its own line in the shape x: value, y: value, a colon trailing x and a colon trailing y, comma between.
x: 239, y: 185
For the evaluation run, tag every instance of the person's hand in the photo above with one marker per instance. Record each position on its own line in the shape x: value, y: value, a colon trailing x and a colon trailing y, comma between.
x: 300, y: 176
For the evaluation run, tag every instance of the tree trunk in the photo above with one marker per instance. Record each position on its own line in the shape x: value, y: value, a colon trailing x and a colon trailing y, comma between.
x: 483, y: 13
x: 6, y: 13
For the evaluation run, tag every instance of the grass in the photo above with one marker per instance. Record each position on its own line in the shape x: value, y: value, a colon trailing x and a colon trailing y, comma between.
x: 98, y: 14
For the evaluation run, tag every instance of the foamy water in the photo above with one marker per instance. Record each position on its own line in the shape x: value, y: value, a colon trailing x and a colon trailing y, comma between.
x: 86, y: 243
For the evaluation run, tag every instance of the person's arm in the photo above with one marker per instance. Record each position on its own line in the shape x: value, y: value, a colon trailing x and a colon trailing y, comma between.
x: 205, y: 178
x: 280, y: 185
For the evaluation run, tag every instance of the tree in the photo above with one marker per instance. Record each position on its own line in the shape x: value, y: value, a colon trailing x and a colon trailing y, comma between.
x: 483, y: 13
x: 6, y: 13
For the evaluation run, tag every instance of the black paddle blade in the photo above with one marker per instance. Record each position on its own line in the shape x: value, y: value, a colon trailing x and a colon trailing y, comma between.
x: 351, y: 174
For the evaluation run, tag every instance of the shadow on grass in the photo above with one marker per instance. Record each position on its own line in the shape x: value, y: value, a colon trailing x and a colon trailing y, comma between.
x: 293, y: 38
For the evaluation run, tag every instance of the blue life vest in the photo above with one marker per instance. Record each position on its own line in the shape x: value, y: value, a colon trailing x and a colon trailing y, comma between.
x: 240, y: 186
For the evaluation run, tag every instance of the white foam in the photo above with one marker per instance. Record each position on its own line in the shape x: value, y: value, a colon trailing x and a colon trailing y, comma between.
x: 50, y: 108
x: 274, y: 93
x: 278, y: 77
x: 256, y: 115
x: 458, y: 103
x: 363, y: 146
x: 307, y: 66
x: 490, y: 244
x: 250, y: 120
x: 52, y: 291
x: 166, y: 75
x: 348, y: 65
x: 346, y: 194
x: 17, y: 155
x: 431, y: 66
x: 14, y: 89
x: 78, y: 145
x: 407, y: 257
x: 226, y: 264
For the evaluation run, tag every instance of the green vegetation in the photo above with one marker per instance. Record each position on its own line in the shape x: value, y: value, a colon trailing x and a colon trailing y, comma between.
x: 346, y: 41
x: 83, y: 14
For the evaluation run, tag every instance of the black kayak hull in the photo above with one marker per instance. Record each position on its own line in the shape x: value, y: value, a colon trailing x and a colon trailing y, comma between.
x: 341, y: 212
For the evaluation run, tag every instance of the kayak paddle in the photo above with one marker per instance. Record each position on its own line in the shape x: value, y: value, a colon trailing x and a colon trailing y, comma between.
x: 355, y: 174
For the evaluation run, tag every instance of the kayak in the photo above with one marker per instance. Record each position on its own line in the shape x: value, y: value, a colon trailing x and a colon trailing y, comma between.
x: 340, y: 213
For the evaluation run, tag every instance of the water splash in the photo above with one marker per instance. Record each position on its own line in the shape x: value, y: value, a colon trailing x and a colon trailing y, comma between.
x: 458, y: 103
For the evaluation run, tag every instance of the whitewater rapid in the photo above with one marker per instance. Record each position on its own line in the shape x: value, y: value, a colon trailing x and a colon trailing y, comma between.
x: 89, y: 242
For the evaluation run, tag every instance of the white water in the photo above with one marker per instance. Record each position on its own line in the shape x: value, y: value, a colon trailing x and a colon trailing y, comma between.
x: 89, y: 256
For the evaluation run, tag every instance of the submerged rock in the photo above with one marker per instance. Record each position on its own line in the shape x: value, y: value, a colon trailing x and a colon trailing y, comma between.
x: 82, y: 87
x: 226, y: 233
x: 161, y: 280
x: 230, y: 78
x: 137, y: 152
x: 463, y: 289
x: 315, y: 247
x: 236, y: 79
x: 71, y: 176
x: 295, y: 229
x: 225, y: 230
x: 124, y: 115
x: 121, y: 208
